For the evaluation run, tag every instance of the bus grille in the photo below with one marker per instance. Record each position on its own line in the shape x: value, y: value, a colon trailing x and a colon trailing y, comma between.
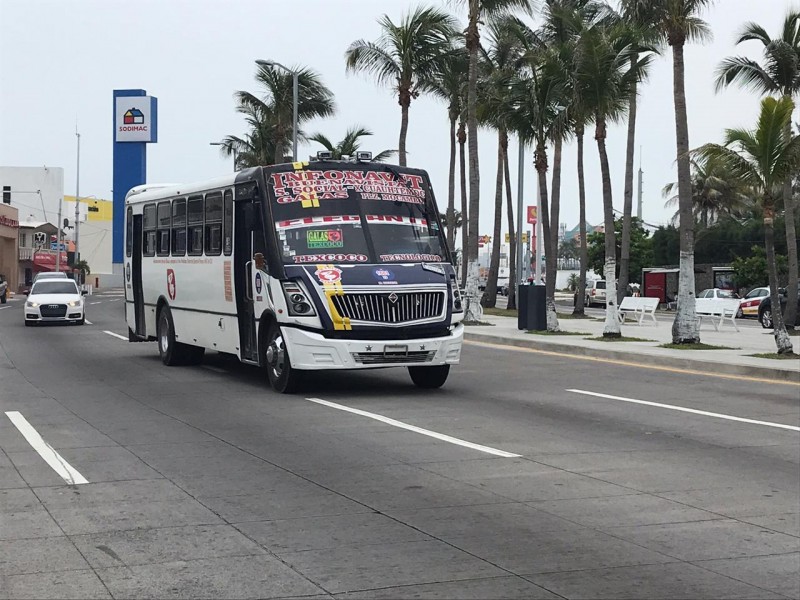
x: 393, y: 307
x: 379, y: 358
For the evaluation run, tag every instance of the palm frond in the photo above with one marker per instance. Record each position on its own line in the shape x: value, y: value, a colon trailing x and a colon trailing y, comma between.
x: 746, y: 72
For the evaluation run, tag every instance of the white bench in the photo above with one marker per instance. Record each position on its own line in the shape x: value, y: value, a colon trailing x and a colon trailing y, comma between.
x: 718, y: 311
x: 638, y: 306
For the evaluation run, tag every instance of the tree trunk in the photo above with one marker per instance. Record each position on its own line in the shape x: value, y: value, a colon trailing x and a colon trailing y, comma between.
x: 791, y: 243
x: 685, y: 328
x: 279, y: 146
x: 579, y: 305
x: 612, y: 326
x: 472, y: 42
x: 627, y: 208
x: 512, y: 234
x: 782, y: 339
x: 462, y: 140
x: 552, y: 252
x: 490, y: 295
x: 405, y: 102
x: 451, y: 188
x: 540, y: 161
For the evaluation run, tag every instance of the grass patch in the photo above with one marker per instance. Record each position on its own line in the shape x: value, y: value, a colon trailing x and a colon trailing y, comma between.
x: 477, y: 324
x: 557, y: 333
x: 571, y: 316
x: 699, y: 346
x: 619, y: 339
x: 776, y: 356
x: 794, y: 332
x: 500, y: 312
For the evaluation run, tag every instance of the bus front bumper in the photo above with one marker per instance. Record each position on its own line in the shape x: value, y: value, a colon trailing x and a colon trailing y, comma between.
x: 312, y: 351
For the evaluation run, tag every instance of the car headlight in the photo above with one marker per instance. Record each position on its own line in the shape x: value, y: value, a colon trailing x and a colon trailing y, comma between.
x: 297, y: 300
x: 32, y: 304
x: 74, y: 302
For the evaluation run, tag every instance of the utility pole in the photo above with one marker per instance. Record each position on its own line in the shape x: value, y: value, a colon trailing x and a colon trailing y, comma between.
x: 520, y: 188
x: 77, y: 198
x: 58, y: 235
x: 639, y: 195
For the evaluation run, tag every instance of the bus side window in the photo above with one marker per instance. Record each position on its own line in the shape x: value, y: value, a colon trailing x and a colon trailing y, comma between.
x: 227, y: 229
x: 179, y: 227
x: 149, y: 227
x: 164, y: 217
x: 213, y: 235
x: 195, y: 230
x: 128, y: 232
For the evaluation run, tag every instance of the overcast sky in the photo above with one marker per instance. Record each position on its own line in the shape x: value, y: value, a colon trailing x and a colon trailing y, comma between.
x: 60, y: 61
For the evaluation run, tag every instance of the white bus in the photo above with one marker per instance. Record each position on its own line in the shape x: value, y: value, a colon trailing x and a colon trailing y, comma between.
x: 302, y: 266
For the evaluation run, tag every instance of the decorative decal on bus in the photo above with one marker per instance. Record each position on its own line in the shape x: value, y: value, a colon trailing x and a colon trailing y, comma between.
x: 412, y: 257
x: 227, y: 275
x: 328, y: 275
x: 384, y: 276
x: 309, y: 187
x: 324, y: 238
x: 172, y: 288
x: 335, y: 219
x: 315, y: 258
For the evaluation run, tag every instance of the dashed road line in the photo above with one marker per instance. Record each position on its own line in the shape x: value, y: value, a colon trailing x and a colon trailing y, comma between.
x: 45, y: 450
x: 116, y: 335
x: 688, y: 410
x: 433, y: 434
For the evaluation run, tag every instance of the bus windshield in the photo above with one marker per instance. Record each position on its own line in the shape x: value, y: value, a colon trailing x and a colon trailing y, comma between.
x: 352, y: 216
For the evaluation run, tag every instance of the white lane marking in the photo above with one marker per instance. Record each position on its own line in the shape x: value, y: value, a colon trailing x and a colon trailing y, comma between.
x: 45, y: 450
x: 4, y: 307
x: 87, y: 321
x: 94, y: 303
x: 215, y: 369
x: 116, y: 335
x: 433, y: 434
x: 689, y: 410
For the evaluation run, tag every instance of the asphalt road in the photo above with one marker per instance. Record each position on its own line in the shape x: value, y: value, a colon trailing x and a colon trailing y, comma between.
x: 204, y: 483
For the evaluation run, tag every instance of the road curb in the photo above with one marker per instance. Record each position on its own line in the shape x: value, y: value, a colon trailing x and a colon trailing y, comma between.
x: 784, y: 375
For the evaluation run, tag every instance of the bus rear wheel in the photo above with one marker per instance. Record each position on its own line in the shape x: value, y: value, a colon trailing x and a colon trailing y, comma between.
x: 429, y: 377
x: 172, y: 352
x: 282, y: 376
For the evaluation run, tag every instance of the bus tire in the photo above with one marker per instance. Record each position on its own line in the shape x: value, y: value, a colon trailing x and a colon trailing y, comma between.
x: 282, y: 376
x: 429, y: 377
x: 172, y: 353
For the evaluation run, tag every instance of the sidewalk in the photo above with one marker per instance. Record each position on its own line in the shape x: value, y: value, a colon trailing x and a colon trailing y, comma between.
x: 734, y: 361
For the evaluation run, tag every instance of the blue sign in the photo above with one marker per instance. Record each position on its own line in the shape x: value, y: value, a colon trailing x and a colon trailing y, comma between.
x: 258, y: 283
x: 382, y: 274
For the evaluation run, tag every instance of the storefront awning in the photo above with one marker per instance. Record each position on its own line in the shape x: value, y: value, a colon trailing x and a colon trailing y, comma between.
x: 44, y: 260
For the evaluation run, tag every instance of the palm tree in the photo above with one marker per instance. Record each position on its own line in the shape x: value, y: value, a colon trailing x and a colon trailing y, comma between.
x: 780, y: 74
x: 676, y: 22
x: 449, y: 85
x: 82, y: 266
x: 605, y: 78
x: 714, y: 193
x: 275, y: 104
x: 406, y: 57
x: 478, y: 10
x: 257, y: 147
x: 350, y: 144
x: 762, y: 159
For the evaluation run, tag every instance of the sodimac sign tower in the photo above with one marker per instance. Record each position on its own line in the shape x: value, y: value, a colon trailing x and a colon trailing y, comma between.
x: 135, y: 126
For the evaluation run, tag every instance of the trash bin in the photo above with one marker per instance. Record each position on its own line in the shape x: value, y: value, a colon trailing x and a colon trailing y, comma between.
x: 532, y: 309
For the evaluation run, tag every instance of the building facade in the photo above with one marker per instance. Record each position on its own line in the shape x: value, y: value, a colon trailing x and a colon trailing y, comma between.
x: 9, y: 240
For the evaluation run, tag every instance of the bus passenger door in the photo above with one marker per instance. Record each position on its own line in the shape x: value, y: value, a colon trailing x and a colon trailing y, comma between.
x: 244, y: 224
x: 136, y: 277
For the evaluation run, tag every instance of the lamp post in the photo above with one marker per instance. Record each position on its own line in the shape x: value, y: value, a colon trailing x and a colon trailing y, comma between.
x: 77, y: 200
x: 232, y: 150
x: 295, y: 94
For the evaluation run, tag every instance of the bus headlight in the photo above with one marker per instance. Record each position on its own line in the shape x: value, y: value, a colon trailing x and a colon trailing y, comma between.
x: 297, y: 300
x: 458, y: 303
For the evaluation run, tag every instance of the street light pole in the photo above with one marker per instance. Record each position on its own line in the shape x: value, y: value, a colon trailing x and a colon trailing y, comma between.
x: 295, y: 98
x: 77, y: 202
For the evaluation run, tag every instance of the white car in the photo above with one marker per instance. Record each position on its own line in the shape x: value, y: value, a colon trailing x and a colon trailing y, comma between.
x: 750, y: 303
x: 55, y: 300
x: 49, y: 275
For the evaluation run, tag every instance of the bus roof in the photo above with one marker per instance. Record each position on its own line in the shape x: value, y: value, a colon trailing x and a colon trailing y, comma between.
x: 156, y: 191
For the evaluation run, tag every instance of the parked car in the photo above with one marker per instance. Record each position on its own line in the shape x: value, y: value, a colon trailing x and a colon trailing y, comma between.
x: 595, y: 293
x: 3, y: 289
x: 752, y: 300
x: 53, y: 300
x: 765, y: 309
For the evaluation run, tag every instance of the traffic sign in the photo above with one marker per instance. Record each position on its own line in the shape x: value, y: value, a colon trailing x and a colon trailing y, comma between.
x: 524, y: 238
x: 533, y: 214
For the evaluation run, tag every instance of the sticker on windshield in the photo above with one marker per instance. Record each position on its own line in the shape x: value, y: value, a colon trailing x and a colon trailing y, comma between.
x: 330, y: 258
x: 384, y: 276
x: 328, y: 275
x: 324, y: 238
x: 412, y: 257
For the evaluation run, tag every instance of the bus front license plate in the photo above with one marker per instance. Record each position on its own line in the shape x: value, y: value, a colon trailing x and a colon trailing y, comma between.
x: 395, y: 349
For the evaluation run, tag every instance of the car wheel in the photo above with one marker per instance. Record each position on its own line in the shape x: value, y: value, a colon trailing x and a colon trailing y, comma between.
x: 740, y: 313
x: 766, y: 319
x: 282, y: 376
x: 429, y: 377
x: 81, y: 321
x: 28, y: 323
x: 3, y: 298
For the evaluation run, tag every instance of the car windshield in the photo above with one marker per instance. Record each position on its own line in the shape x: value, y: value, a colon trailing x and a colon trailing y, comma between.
x: 727, y: 294
x: 54, y: 287
x: 354, y: 216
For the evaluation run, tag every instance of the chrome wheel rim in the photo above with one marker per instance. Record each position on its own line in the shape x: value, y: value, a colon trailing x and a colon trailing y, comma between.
x: 276, y: 357
x: 164, y: 337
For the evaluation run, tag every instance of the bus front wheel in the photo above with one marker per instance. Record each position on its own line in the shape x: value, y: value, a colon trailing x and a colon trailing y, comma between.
x: 429, y: 377
x: 282, y: 376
